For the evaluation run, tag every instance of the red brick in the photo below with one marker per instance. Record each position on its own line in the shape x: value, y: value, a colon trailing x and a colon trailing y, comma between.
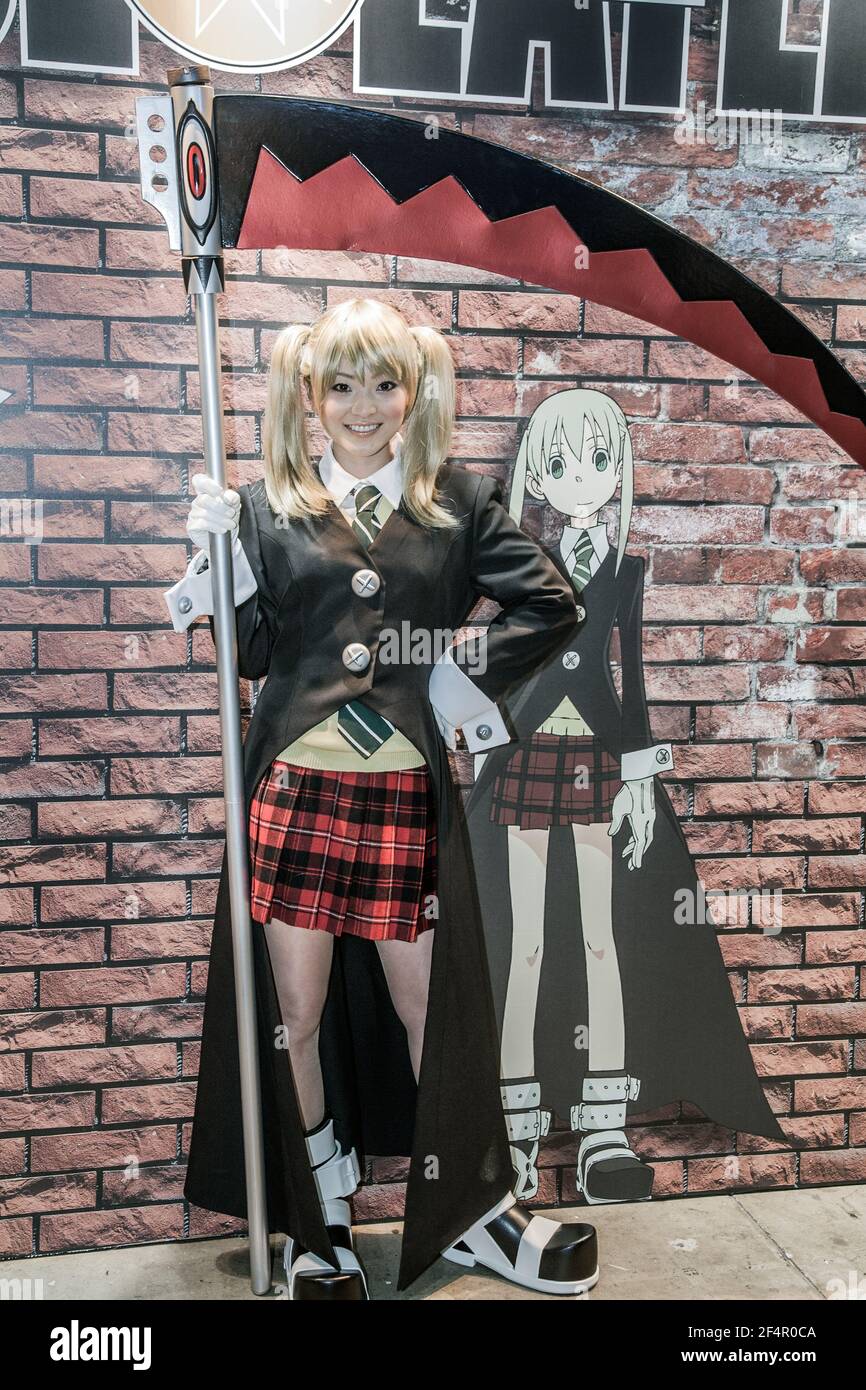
x: 833, y: 1166
x: 50, y: 246
x: 772, y: 985
x: 837, y: 871
x: 742, y: 798
x: 92, y: 200
x: 549, y: 313
x: 103, y: 1148
x: 701, y: 603
x: 105, y: 387
x: 106, y: 735
x: 787, y: 836
x: 66, y: 151
x: 101, y: 1229
x: 119, y: 651
x: 741, y: 1171
x: 11, y: 196
x: 50, y: 338
x: 832, y: 644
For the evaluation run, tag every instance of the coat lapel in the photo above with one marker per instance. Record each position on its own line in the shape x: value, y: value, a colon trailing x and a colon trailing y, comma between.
x: 398, y: 525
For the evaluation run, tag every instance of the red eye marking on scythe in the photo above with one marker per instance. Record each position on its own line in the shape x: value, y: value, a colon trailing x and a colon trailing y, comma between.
x: 195, y: 171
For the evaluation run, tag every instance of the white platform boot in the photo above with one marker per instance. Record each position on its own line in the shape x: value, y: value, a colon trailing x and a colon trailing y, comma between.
x: 337, y: 1175
x: 532, y: 1250
x: 608, y: 1170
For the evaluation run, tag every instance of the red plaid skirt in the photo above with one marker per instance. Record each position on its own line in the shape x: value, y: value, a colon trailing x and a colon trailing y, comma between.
x: 351, y: 852
x: 555, y: 779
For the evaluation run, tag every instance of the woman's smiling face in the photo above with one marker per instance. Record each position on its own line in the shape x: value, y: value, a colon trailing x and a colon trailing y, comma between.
x: 362, y: 416
x: 577, y: 484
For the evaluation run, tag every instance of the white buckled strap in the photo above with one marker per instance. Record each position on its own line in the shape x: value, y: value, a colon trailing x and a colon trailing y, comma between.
x: 527, y: 1124
x: 602, y: 1116
x: 321, y: 1144
x: 601, y: 1088
x: 520, y: 1095
x: 338, y: 1177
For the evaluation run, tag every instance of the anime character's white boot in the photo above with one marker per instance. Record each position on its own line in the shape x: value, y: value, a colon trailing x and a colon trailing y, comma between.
x: 528, y: 1249
x: 526, y: 1124
x: 607, y: 1169
x: 336, y: 1175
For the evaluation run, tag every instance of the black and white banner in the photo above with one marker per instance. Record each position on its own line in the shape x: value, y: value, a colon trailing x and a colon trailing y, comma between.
x: 484, y: 50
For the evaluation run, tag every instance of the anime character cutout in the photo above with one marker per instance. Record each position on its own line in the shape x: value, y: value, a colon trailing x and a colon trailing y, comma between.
x: 609, y: 988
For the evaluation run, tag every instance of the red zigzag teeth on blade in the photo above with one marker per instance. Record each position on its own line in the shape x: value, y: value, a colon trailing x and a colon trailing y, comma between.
x: 344, y: 208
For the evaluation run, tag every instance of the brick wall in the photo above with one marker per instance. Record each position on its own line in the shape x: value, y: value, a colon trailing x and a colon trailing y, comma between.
x: 110, y: 779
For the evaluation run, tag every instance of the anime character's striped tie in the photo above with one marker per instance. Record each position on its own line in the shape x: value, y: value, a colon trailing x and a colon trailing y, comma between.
x: 582, y: 555
x: 361, y: 727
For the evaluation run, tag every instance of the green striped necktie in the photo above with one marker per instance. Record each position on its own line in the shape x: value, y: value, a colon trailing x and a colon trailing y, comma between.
x: 580, y: 568
x: 362, y: 727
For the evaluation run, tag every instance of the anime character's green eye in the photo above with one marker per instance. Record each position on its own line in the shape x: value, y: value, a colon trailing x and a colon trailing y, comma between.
x: 601, y: 458
x: 556, y: 466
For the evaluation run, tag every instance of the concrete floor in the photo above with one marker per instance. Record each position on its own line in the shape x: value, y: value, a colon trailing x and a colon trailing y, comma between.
x: 763, y: 1245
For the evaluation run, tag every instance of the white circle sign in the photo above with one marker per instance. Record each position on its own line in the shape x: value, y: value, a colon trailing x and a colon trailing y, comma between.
x: 247, y: 35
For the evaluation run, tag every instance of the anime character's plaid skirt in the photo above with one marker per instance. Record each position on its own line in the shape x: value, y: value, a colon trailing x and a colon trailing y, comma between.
x: 352, y: 852
x: 555, y: 779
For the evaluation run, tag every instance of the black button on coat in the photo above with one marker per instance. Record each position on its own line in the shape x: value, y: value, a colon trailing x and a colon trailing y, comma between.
x: 294, y: 630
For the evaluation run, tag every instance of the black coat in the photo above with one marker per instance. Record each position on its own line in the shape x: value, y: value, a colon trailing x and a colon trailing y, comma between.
x: 683, y: 1036
x: 294, y: 630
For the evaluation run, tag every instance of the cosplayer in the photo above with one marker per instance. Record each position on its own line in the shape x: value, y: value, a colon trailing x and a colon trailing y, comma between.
x: 376, y: 1021
x: 605, y: 988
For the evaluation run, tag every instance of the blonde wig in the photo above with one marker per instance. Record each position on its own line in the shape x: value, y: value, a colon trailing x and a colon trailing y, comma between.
x: 376, y: 340
x: 562, y: 417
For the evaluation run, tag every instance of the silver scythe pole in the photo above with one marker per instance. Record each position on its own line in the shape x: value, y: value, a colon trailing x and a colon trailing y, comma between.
x: 179, y: 178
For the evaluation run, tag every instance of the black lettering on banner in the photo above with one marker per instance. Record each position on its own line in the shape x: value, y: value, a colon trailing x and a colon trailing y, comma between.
x: 761, y: 70
x: 758, y: 74
x: 575, y: 43
x: 655, y: 54
x: 844, y: 83
x: 84, y: 35
x: 483, y: 50
x: 402, y: 52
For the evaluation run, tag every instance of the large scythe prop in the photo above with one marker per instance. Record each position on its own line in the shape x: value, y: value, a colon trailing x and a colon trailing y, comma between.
x: 261, y: 171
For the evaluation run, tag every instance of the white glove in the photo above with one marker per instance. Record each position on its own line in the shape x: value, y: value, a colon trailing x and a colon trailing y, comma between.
x: 213, y: 512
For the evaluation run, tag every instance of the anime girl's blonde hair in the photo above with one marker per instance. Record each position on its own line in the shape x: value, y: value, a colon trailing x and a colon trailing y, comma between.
x: 562, y: 416
x: 377, y: 340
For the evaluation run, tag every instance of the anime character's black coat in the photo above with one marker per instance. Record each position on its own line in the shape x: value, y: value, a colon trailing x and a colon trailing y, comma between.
x: 294, y: 630
x: 683, y: 1036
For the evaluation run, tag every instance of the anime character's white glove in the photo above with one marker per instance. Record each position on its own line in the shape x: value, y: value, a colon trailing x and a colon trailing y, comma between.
x: 214, y: 511
x: 635, y: 801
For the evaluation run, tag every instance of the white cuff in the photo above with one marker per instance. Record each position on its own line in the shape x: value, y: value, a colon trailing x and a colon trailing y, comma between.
x: 463, y: 705
x: 453, y: 693
x: 486, y: 730
x: 192, y: 596
x: 646, y: 762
